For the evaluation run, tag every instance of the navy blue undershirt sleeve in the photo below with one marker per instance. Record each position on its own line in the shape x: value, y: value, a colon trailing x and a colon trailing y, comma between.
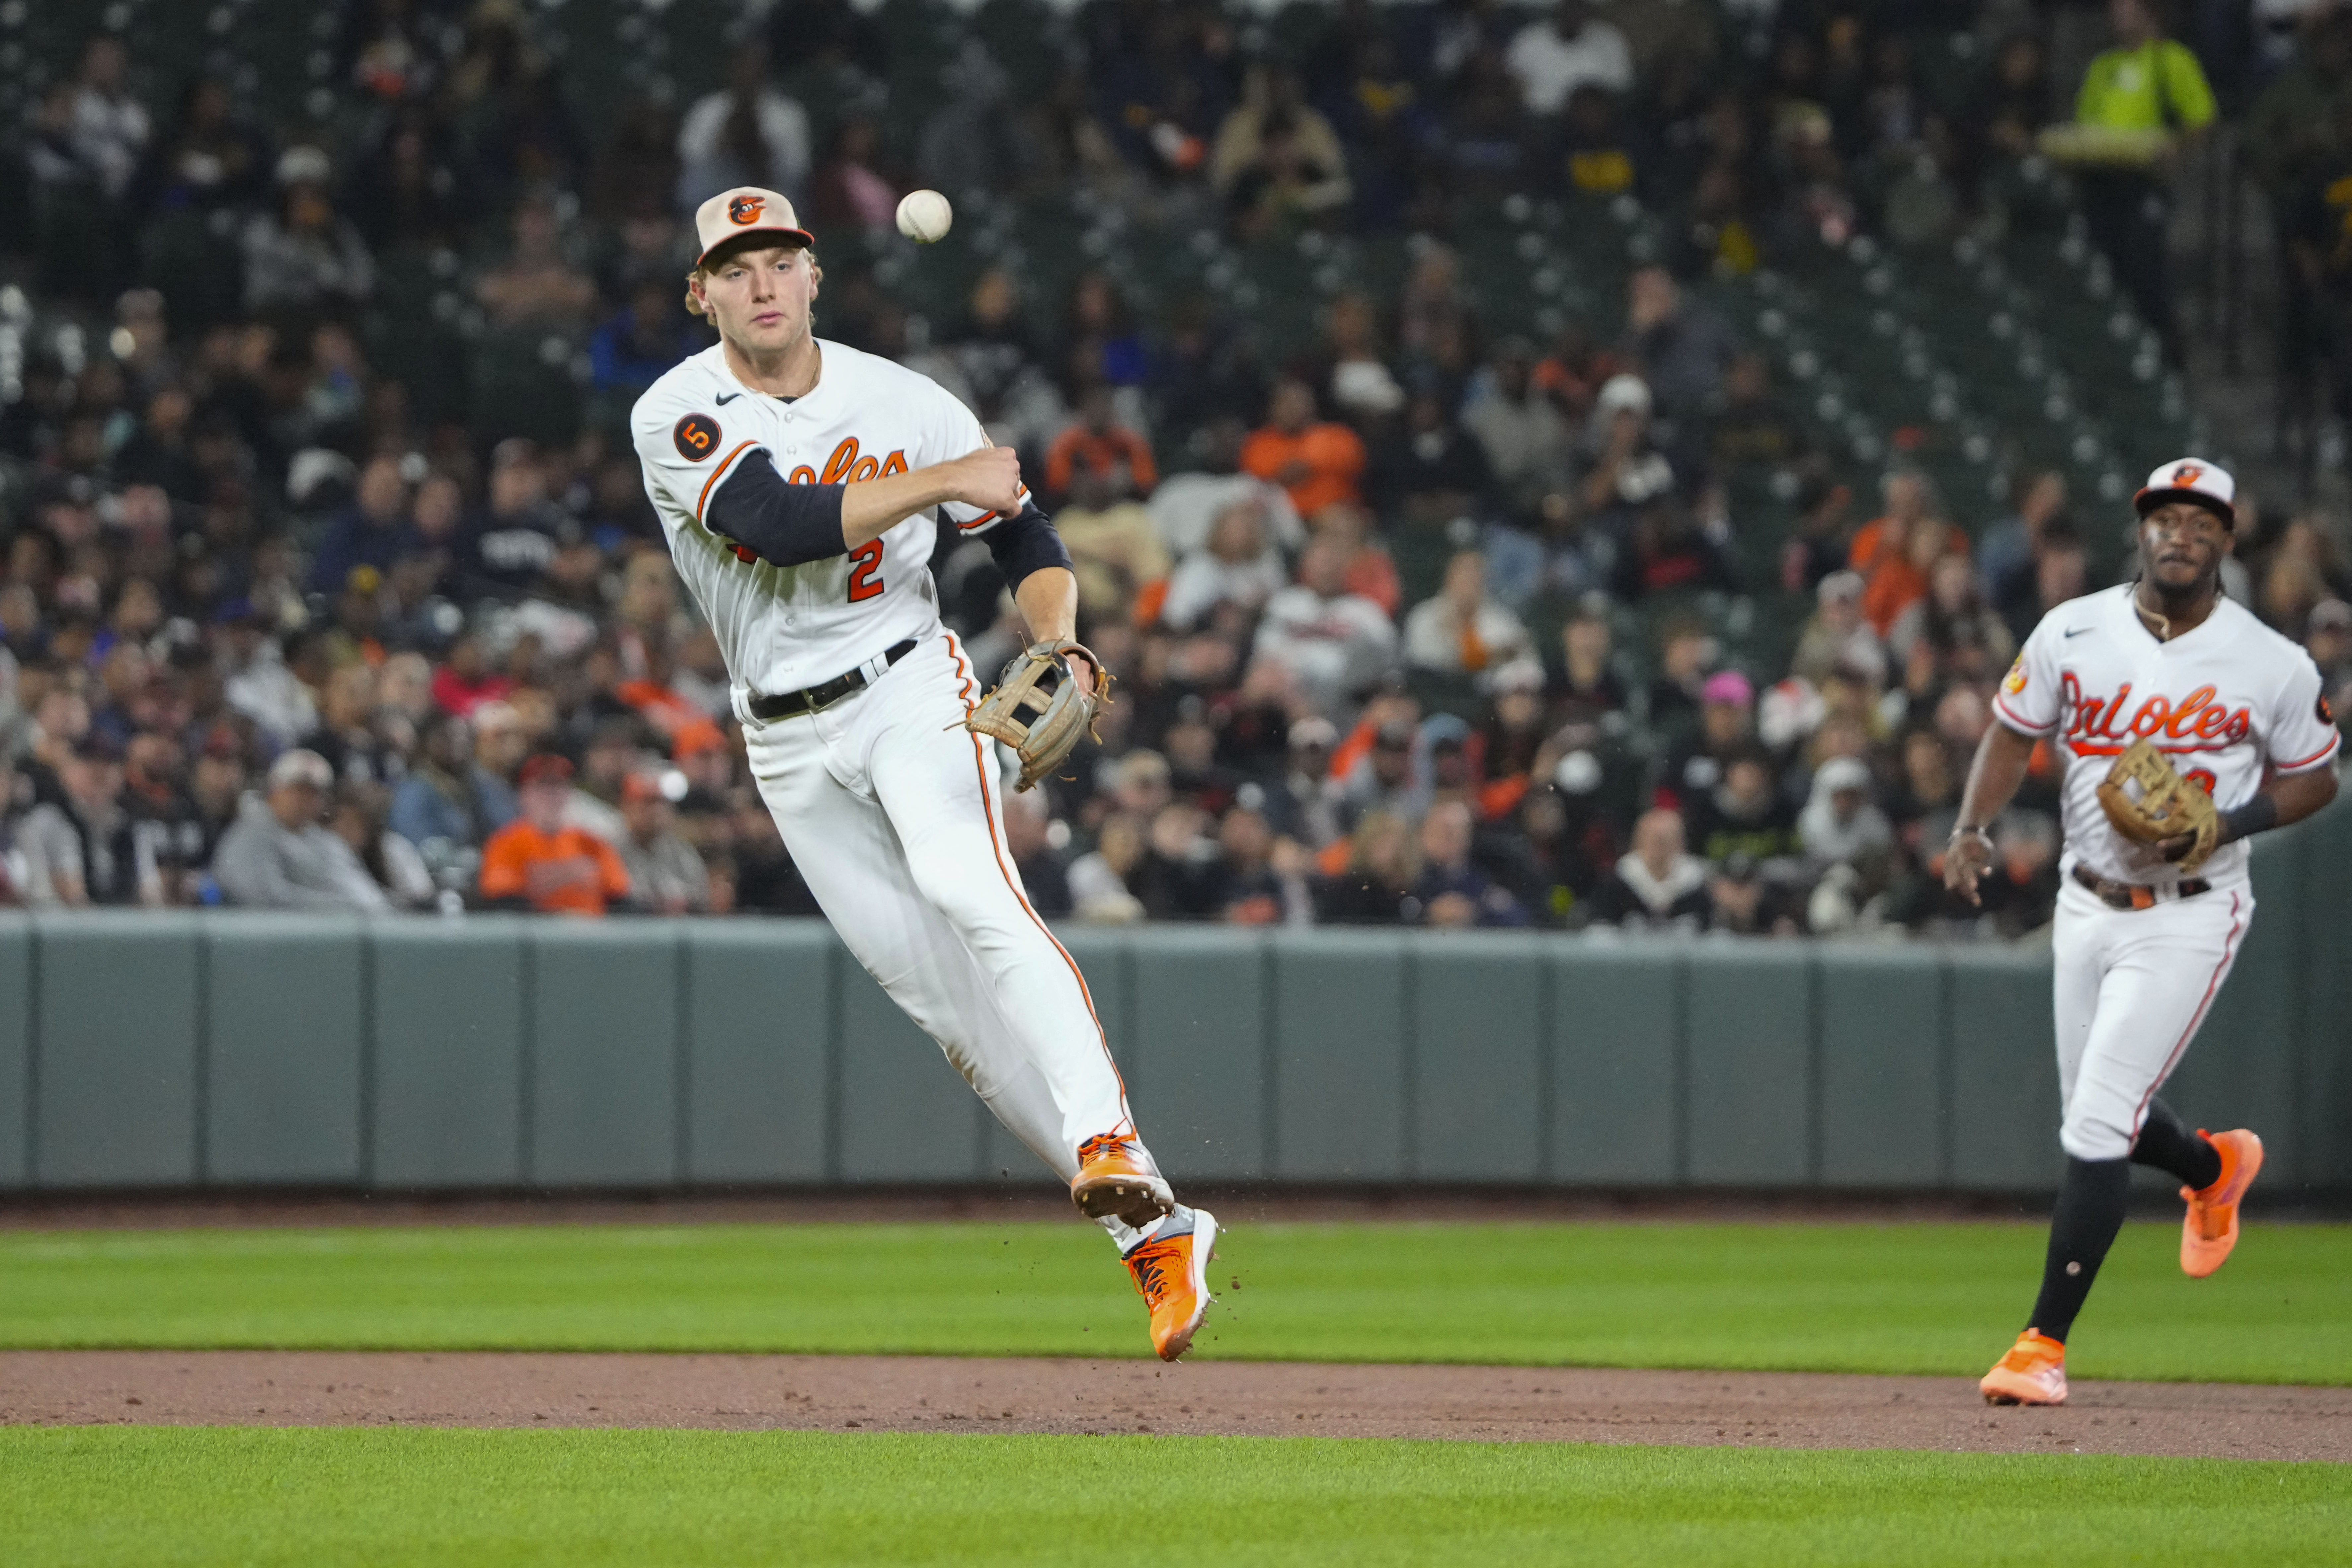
x: 783, y: 524
x: 1024, y: 542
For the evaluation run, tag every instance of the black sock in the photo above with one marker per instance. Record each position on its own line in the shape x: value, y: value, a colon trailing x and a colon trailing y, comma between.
x: 2167, y: 1143
x: 2090, y: 1211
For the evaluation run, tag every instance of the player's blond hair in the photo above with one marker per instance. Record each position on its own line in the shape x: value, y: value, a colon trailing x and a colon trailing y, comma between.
x: 694, y: 302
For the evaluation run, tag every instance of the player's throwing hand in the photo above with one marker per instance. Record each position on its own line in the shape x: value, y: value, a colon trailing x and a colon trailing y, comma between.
x: 1966, y: 857
x: 990, y: 478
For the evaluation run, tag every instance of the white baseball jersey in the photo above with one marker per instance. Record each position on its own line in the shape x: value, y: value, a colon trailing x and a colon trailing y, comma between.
x: 2229, y: 703
x: 786, y: 627
x: 891, y: 808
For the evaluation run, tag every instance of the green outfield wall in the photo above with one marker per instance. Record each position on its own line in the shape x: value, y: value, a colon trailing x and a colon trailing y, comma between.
x: 147, y: 1050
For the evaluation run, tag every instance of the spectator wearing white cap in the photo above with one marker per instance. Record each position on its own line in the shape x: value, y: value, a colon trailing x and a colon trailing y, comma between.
x: 1627, y: 470
x: 1839, y: 634
x: 1841, y: 825
x: 280, y: 856
x: 1303, y: 804
x: 304, y: 253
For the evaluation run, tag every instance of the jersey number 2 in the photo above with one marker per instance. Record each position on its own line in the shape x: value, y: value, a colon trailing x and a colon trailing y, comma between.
x: 866, y: 559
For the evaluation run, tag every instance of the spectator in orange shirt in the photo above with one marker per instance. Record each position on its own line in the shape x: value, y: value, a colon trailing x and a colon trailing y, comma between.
x: 1894, y: 552
x: 1317, y: 464
x: 686, y: 727
x: 1101, y: 445
x: 536, y: 862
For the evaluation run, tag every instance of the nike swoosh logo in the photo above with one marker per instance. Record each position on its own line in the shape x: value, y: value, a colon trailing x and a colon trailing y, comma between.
x: 728, y: 398
x: 2071, y: 632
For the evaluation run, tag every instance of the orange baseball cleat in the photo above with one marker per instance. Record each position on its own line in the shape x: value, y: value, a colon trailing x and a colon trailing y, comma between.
x: 1117, y: 1176
x: 2032, y: 1372
x: 2209, y: 1229
x: 1172, y: 1275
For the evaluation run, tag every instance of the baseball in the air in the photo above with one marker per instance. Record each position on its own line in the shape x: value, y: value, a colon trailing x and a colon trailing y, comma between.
x: 924, y: 217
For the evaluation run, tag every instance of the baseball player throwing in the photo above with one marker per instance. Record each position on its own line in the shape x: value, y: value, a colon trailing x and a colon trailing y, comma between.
x: 802, y: 484
x: 2184, y: 726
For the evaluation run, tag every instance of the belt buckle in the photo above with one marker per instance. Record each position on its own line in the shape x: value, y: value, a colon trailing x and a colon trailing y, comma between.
x: 2141, y: 898
x: 851, y: 682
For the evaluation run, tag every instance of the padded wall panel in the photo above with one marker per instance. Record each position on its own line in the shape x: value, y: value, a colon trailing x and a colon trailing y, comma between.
x: 2004, y: 1106
x: 1199, y: 1079
x: 1882, y: 1065
x: 285, y: 1041
x: 117, y: 1056
x: 1751, y: 1094
x: 16, y: 1051
x: 1479, y: 1045
x: 1341, y: 1056
x: 763, y: 1016
x: 1617, y: 1052
x: 906, y: 1115
x: 605, y: 1054
x: 447, y: 1096
x: 2323, y: 1144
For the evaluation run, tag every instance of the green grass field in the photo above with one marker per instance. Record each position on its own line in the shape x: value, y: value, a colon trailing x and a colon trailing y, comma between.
x: 167, y: 1498
x: 1904, y: 1297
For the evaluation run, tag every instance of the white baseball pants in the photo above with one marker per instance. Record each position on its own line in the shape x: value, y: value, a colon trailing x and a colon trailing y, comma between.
x: 893, y: 813
x: 2130, y: 989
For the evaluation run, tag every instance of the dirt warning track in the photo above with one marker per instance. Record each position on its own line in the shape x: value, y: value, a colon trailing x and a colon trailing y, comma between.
x: 924, y: 1393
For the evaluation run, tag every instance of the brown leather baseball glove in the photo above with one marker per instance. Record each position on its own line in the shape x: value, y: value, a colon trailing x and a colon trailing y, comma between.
x: 1063, y: 712
x: 2167, y: 806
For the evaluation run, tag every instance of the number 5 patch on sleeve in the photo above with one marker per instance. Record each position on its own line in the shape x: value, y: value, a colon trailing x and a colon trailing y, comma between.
x: 695, y: 437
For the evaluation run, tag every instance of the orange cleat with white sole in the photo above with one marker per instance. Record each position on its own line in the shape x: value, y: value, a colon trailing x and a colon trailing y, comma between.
x: 1117, y: 1177
x: 2209, y: 1229
x: 2032, y: 1372
x: 1172, y: 1275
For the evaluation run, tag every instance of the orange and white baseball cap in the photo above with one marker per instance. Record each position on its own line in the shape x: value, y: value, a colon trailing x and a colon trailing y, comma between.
x: 2190, y: 480
x: 743, y: 211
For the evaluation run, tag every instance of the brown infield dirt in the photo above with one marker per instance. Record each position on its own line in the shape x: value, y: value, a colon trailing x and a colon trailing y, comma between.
x: 923, y: 1394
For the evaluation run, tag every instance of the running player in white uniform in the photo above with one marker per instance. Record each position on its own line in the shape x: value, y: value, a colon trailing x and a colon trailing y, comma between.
x: 802, y: 484
x: 2140, y: 953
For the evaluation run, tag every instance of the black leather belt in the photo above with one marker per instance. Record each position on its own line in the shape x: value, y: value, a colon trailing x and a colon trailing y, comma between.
x: 809, y: 699
x: 2132, y: 895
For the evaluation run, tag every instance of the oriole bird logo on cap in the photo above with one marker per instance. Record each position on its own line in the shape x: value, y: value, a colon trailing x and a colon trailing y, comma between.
x: 747, y: 209
x: 2187, y: 474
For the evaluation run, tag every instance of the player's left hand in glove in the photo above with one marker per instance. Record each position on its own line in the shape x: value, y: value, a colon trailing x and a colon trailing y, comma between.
x: 2171, y: 812
x: 1065, y: 710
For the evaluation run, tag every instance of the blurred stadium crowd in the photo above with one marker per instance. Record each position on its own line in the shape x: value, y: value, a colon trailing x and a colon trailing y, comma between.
x: 329, y: 578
